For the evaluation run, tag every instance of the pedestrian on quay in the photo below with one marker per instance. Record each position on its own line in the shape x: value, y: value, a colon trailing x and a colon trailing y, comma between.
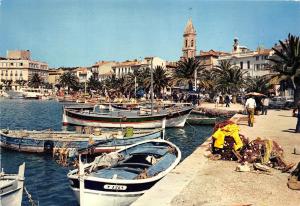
x: 264, y: 105
x: 217, y: 101
x: 297, y: 130
x: 227, y: 100
x: 250, y: 106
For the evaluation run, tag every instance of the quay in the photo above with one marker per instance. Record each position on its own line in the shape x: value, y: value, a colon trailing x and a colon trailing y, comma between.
x: 200, y: 181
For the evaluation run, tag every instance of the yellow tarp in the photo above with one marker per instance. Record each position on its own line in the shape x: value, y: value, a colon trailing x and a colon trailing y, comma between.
x: 229, y: 130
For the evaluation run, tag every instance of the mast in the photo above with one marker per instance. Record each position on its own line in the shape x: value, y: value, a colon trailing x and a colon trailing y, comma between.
x: 152, y: 96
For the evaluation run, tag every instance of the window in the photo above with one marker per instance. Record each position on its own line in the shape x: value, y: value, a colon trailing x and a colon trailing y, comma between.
x: 16, y: 74
x: 21, y: 64
x: 248, y: 64
x: 186, y: 43
x: 257, y: 58
x: 11, y: 64
x: 258, y: 66
x: 192, y: 43
x: 241, y: 65
x: 11, y: 73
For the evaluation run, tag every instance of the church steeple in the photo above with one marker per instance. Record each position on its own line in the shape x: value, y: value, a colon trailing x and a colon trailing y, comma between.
x: 189, y: 40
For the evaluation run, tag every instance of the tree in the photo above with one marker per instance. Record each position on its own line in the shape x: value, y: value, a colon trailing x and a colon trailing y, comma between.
x: 94, y: 83
x: 36, y: 81
x: 186, y: 71
x: 287, y: 63
x: 69, y: 80
x: 21, y: 82
x: 258, y: 84
x: 229, y: 78
x: 161, y: 79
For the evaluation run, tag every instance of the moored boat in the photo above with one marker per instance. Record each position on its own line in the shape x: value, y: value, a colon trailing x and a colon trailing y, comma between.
x: 175, y: 117
x: 201, y: 120
x: 47, y: 141
x: 119, y: 178
x: 11, y: 187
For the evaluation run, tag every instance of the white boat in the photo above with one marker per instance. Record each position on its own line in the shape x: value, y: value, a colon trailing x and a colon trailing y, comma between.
x: 119, y: 178
x: 15, y: 94
x: 175, y: 117
x: 11, y: 187
x: 3, y: 94
x: 32, y: 93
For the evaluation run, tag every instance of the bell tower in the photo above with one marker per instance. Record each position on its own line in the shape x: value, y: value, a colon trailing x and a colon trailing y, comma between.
x: 189, y: 40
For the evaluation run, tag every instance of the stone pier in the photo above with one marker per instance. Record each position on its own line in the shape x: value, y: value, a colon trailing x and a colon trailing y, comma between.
x: 199, y: 181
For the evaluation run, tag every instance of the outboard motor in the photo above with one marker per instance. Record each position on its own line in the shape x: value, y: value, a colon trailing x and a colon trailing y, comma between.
x: 48, y: 146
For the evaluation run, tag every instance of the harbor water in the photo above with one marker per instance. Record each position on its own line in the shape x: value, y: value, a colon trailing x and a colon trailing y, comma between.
x: 45, y: 179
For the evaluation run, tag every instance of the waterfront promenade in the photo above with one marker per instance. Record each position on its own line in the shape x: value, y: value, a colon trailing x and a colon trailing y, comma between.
x: 199, y: 181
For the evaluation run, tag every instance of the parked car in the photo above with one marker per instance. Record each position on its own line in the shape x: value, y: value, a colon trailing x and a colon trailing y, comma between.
x: 281, y: 102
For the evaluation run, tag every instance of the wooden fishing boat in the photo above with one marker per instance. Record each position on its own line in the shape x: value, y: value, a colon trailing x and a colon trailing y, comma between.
x: 119, y: 178
x: 11, y: 187
x: 174, y: 117
x: 201, y: 120
x: 46, y: 141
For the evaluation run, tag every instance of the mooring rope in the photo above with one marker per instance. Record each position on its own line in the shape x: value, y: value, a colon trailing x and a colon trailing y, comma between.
x: 31, y: 201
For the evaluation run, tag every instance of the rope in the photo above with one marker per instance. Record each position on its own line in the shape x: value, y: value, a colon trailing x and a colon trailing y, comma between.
x: 31, y: 201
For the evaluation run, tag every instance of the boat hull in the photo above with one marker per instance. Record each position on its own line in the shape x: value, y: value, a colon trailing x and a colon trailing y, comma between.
x: 174, y: 119
x: 12, y: 198
x: 44, y: 145
x: 11, y: 192
x: 96, y: 198
x: 109, y: 190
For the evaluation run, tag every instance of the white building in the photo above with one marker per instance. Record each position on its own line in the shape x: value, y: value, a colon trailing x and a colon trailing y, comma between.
x: 123, y: 68
x: 256, y: 63
x: 17, y: 65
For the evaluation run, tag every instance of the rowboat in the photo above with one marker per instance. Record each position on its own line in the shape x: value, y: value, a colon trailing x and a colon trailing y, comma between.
x: 46, y: 141
x: 201, y: 120
x: 119, y: 178
x: 11, y: 187
x: 175, y: 117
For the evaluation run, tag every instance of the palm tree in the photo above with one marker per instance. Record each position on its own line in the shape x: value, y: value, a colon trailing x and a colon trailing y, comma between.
x: 186, y: 71
x: 258, y: 84
x: 69, y: 80
x: 161, y: 80
x: 35, y: 81
x: 21, y: 82
x: 287, y: 63
x: 229, y: 78
x: 94, y: 83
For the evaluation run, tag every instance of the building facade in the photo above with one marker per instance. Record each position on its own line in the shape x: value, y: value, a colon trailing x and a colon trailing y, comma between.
x: 255, y: 63
x: 17, y: 65
x: 209, y: 59
x: 126, y: 67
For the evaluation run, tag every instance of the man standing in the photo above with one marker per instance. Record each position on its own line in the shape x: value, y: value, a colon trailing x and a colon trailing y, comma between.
x: 298, y: 118
x: 265, y: 105
x: 250, y: 105
x: 227, y: 100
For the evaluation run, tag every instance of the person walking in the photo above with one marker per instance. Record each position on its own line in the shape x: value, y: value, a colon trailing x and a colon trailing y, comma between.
x: 217, y: 101
x: 264, y: 105
x: 297, y: 130
x: 227, y: 101
x: 250, y: 106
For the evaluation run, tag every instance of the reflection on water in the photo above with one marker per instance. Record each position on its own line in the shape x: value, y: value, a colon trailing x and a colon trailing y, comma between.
x: 46, y: 181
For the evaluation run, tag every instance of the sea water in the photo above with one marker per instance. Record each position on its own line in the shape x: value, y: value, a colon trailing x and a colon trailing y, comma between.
x: 44, y: 179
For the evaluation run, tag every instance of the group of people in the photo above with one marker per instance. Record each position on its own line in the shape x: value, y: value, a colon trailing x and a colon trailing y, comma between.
x: 219, y: 99
x: 251, y: 106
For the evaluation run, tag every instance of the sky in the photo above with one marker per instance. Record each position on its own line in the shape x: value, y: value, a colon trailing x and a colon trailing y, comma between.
x: 81, y: 32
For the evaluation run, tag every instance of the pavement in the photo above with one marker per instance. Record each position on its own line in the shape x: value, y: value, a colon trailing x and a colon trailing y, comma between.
x: 203, y: 182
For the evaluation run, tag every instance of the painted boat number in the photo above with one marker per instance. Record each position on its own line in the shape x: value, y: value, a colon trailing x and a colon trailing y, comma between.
x: 115, y: 187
